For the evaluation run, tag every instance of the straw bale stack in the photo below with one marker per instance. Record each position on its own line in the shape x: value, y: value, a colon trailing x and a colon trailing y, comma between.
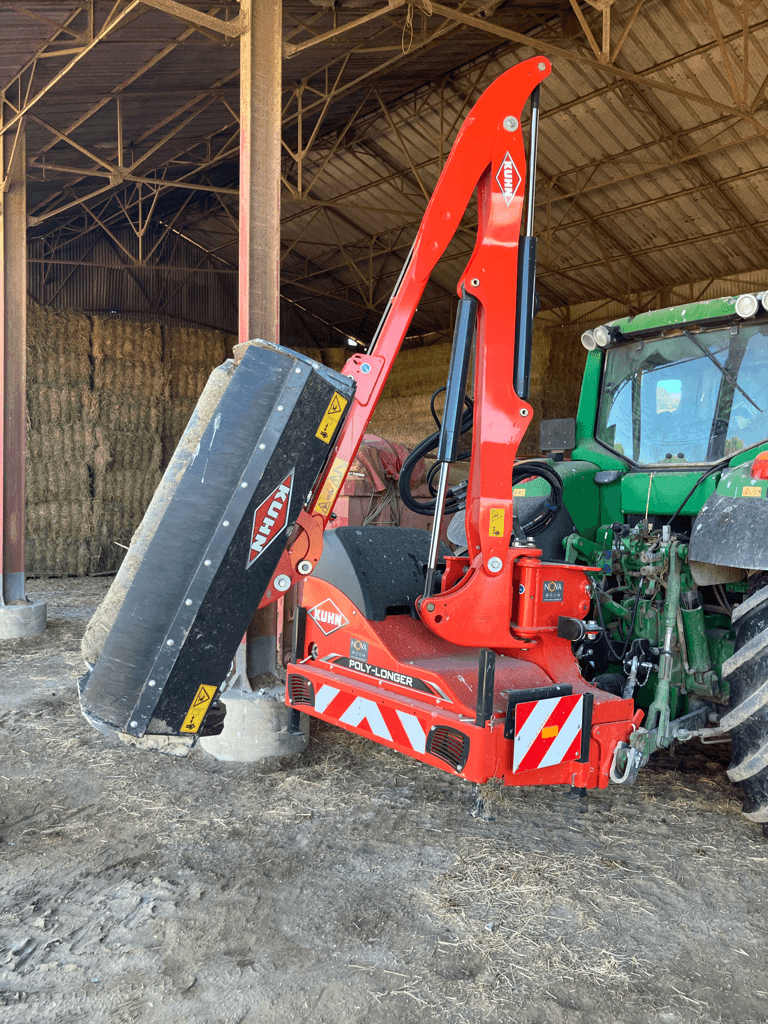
x: 107, y: 400
x: 60, y: 442
x: 131, y: 391
x: 190, y: 354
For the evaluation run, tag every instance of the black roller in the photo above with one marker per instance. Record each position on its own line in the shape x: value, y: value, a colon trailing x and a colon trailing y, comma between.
x: 217, y: 545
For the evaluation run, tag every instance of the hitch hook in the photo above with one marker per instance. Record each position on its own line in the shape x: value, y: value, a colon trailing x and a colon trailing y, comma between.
x: 633, y: 761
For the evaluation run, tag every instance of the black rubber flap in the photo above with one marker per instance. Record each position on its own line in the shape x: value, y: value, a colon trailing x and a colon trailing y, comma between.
x: 218, y: 544
x: 731, y: 531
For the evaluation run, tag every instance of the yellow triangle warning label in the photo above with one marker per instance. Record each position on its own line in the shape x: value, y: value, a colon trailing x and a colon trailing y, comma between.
x: 330, y: 420
x: 198, y: 708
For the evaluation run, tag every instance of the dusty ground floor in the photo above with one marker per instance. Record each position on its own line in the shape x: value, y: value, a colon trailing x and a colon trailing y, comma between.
x: 351, y: 884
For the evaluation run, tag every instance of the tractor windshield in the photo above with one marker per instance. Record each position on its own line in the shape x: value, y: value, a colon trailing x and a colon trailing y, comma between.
x: 694, y: 397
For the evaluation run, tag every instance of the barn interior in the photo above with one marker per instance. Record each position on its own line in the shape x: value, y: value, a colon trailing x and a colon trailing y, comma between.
x: 136, y: 209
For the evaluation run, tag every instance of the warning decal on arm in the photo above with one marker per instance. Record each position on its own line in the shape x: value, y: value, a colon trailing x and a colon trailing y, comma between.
x: 330, y: 420
x: 330, y: 487
x: 196, y: 713
x: 496, y: 525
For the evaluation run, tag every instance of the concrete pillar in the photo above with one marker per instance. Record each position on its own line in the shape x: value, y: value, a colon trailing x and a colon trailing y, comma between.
x: 18, y: 616
x: 259, y: 258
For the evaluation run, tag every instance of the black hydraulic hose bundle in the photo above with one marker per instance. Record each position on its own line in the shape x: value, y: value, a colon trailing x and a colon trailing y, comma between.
x: 456, y: 497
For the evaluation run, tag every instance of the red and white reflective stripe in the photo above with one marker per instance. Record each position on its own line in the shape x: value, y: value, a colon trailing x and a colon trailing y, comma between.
x: 385, y: 723
x: 547, y: 732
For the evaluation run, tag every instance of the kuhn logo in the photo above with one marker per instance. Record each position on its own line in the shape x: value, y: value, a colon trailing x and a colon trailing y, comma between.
x: 328, y: 617
x: 270, y: 518
x: 508, y: 178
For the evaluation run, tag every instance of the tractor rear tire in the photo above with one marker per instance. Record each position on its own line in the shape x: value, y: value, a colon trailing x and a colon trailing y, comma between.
x: 747, y: 717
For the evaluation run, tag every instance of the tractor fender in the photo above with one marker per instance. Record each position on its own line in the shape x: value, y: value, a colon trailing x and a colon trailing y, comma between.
x: 730, y: 533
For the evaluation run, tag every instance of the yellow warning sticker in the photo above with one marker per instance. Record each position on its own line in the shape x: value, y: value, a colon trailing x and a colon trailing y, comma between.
x: 333, y: 482
x: 751, y: 492
x: 330, y: 421
x: 496, y: 526
x: 196, y: 713
x: 518, y: 492
x: 549, y: 731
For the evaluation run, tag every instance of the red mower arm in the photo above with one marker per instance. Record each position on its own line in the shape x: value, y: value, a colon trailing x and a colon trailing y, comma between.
x: 489, y: 155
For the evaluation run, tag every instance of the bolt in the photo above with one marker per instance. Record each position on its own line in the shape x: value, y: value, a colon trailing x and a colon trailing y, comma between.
x: 430, y: 607
x: 134, y: 725
x: 188, y: 602
x: 541, y: 66
x: 475, y: 282
x: 511, y: 124
x: 262, y: 447
x: 169, y: 643
x: 282, y: 582
x: 244, y: 483
x: 524, y: 413
x: 207, y: 561
x: 305, y: 567
x: 280, y: 408
x: 495, y: 564
x: 365, y: 368
x: 297, y: 370
x: 152, y: 682
x: 225, y: 523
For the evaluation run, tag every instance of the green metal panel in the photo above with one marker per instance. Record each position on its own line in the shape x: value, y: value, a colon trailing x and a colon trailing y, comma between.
x: 692, y: 312
x: 667, y: 490
x: 586, y: 417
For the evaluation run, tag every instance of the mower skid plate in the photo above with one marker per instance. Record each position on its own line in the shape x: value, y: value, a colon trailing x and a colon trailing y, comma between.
x: 216, y: 548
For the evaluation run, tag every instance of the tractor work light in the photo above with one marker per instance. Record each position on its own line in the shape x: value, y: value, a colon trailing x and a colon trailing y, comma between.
x: 763, y: 296
x: 759, y: 470
x: 746, y: 305
x: 588, y: 340
x: 602, y: 335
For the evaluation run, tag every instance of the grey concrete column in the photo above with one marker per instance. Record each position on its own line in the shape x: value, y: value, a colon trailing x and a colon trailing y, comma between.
x: 18, y: 616
x: 259, y: 258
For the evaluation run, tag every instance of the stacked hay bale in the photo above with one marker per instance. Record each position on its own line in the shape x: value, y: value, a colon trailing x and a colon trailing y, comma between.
x: 130, y: 393
x: 60, y: 442
x: 189, y: 356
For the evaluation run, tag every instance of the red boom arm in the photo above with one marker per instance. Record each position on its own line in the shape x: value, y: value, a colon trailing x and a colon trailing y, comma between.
x: 489, y: 155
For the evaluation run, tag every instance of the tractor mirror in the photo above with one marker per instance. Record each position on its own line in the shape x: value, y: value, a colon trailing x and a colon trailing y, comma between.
x: 557, y: 436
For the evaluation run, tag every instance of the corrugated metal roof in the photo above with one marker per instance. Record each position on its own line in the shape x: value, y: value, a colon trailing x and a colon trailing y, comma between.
x: 640, y: 188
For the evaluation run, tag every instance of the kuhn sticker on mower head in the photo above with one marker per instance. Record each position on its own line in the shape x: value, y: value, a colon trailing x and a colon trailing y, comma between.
x: 328, y: 617
x: 270, y: 518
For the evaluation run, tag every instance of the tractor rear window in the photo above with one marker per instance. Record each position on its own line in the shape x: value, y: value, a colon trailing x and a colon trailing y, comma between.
x: 694, y: 397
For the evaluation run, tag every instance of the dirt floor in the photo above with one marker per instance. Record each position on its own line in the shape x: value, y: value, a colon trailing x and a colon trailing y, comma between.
x: 351, y: 884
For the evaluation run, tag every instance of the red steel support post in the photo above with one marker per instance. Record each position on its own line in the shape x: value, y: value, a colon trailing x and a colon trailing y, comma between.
x: 18, y: 616
x: 259, y: 258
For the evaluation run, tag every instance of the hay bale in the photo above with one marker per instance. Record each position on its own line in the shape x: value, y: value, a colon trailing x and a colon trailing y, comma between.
x: 58, y: 347
x: 46, y: 557
x: 130, y: 377
x: 58, y: 404
x: 187, y: 380
x: 123, y: 341
x: 63, y: 443
x: 53, y: 481
x: 194, y: 346
x: 118, y: 411
x: 59, y: 520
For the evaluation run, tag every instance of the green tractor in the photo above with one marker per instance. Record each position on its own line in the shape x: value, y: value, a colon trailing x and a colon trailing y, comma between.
x: 665, y: 496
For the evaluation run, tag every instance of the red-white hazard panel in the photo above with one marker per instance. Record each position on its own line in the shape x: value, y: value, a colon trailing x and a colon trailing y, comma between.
x: 549, y: 732
x: 364, y: 715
